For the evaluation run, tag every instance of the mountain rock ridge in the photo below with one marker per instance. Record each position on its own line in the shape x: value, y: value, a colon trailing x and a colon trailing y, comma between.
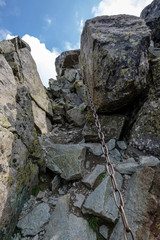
x: 48, y: 142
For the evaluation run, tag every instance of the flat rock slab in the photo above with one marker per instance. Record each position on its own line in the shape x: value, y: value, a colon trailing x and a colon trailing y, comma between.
x: 65, y: 226
x: 112, y: 127
x: 132, y: 166
x: 148, y: 161
x: 128, y: 168
x: 101, y: 202
x: 114, y: 59
x: 66, y: 160
x: 31, y: 224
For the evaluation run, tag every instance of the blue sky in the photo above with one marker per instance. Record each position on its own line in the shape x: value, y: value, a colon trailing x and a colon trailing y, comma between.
x: 53, y: 26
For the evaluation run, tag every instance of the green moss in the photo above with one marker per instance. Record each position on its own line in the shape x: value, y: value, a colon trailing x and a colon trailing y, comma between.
x: 94, y: 223
x: 4, y: 122
x: 101, y: 176
x: 36, y: 190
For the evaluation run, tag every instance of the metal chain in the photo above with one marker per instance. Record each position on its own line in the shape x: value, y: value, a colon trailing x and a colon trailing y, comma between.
x: 109, y: 167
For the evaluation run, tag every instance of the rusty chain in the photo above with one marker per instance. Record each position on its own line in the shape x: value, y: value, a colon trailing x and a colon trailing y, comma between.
x: 109, y: 166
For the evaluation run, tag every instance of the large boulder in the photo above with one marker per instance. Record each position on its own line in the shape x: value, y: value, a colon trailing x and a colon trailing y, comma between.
x: 114, y: 57
x: 24, y: 106
x: 112, y: 126
x: 151, y: 15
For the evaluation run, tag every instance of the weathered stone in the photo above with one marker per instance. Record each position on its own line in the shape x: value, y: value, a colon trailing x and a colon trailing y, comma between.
x: 75, y: 115
x: 71, y: 99
x: 79, y: 200
x: 155, y: 68
x: 145, y: 134
x: 68, y: 59
x: 58, y: 110
x: 127, y: 168
x: 32, y: 222
x: 66, y: 160
x: 94, y: 148
x: 115, y: 155
x: 80, y: 90
x: 65, y: 226
x: 70, y: 74
x: 115, y: 59
x: 90, y: 179
x: 104, y: 231
x: 111, y: 144
x: 150, y: 161
x: 55, y: 183
x: 101, y: 201
x: 142, y: 207
x: 151, y: 15
x: 7, y: 46
x: 54, y: 88
x: 122, y: 145
x: 35, y: 238
x: 39, y: 118
x: 112, y: 127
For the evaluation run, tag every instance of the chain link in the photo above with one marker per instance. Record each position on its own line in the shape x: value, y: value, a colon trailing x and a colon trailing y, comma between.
x: 109, y: 166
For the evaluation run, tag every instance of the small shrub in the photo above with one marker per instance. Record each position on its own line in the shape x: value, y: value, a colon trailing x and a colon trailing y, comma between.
x: 36, y: 190
x: 101, y: 176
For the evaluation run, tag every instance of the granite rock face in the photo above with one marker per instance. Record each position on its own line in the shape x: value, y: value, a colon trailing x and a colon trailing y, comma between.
x: 151, y: 15
x: 23, y: 102
x: 114, y: 57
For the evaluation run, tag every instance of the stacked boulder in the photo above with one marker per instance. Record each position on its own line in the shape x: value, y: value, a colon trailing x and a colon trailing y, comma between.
x: 68, y: 91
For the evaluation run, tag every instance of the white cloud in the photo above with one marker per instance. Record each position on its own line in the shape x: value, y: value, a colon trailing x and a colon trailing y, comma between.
x: 44, y: 58
x: 48, y: 20
x: 113, y: 7
x: 2, y: 3
x: 69, y: 46
x: 9, y: 36
x: 4, y: 33
x: 81, y: 24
